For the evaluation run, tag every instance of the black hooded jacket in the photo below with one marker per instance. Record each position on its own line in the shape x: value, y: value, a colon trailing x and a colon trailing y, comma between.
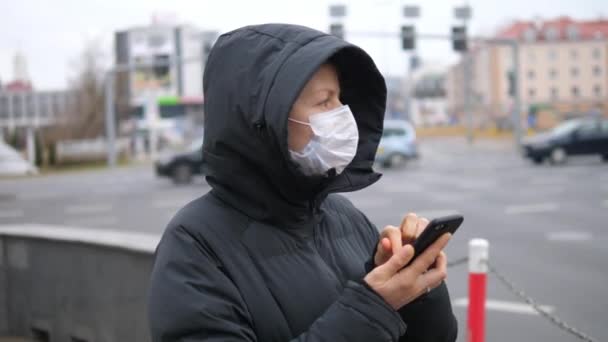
x: 270, y: 254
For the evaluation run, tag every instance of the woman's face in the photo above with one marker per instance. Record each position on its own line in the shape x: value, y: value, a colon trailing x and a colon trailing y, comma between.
x: 320, y: 94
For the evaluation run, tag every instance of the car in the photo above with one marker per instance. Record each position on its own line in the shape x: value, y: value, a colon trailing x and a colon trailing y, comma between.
x: 182, y: 166
x: 571, y: 138
x: 398, y: 144
x: 13, y: 164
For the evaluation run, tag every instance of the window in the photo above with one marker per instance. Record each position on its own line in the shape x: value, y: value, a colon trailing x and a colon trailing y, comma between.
x: 30, y: 110
x: 575, y: 91
x: 551, y: 34
x: 553, y: 74
x: 43, y: 105
x: 589, y: 129
x: 17, y: 106
x: 604, y: 126
x: 597, y: 90
x: 554, y: 93
x: 598, y: 35
x: 3, y: 107
x: 552, y: 54
x: 57, y: 104
x: 530, y: 35
x: 597, y: 71
x: 573, y: 54
x: 531, y: 74
x: 393, y: 132
x: 531, y: 56
x: 597, y: 54
x: 574, y: 72
x: 572, y: 32
x: 531, y: 93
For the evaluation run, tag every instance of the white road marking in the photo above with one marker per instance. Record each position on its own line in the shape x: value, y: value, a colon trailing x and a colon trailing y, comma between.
x: 36, y: 196
x: 6, y: 214
x: 532, y: 191
x: 112, y: 188
x: 88, y: 209
x: 531, y: 208
x: 92, y: 222
x: 547, y: 181
x: 505, y: 306
x: 569, y: 236
x: 453, y: 196
x: 476, y: 184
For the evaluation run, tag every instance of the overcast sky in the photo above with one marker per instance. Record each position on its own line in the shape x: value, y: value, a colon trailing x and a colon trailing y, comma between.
x: 51, y: 34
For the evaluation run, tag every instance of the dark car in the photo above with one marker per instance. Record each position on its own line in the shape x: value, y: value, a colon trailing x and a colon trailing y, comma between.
x: 181, y: 166
x: 571, y: 138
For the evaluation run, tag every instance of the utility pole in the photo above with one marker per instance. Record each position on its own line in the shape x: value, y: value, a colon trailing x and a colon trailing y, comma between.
x: 517, y: 131
x: 464, y: 13
x: 408, y: 43
x: 110, y: 119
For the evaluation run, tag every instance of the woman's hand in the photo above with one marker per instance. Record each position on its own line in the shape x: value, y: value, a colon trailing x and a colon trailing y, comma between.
x: 398, y: 285
x: 392, y: 239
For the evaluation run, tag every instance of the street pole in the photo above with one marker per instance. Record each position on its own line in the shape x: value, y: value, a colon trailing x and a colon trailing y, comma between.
x: 464, y: 13
x: 517, y: 131
x: 411, y: 13
x: 467, y: 95
x: 31, y: 144
x: 110, y: 119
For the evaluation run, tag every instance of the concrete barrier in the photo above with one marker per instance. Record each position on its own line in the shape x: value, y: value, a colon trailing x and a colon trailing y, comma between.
x: 76, y: 285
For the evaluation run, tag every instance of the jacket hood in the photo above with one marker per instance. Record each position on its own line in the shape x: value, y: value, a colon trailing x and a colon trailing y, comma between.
x: 253, y: 76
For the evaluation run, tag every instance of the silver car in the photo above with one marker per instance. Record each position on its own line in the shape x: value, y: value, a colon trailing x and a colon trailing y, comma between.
x: 398, y: 143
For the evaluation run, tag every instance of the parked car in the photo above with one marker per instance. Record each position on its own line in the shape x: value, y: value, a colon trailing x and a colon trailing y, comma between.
x: 182, y: 166
x: 398, y: 143
x: 571, y: 138
x: 12, y: 163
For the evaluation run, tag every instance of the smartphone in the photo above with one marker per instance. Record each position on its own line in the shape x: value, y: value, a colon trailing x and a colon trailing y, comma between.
x: 435, y: 229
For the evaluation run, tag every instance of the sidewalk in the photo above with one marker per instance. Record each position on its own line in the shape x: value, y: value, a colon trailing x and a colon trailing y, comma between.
x: 453, y: 131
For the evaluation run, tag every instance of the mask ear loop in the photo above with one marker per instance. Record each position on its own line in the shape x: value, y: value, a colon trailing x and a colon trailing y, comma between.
x: 298, y: 121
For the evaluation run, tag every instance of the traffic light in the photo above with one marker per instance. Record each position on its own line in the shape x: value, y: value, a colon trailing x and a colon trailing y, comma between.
x: 459, y: 38
x: 408, y: 37
x: 337, y: 30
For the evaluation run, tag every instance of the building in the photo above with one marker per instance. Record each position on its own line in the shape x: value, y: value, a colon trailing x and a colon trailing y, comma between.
x: 429, y: 102
x: 24, y: 112
x: 24, y: 109
x: 176, y: 88
x: 563, y: 73
x: 395, y: 98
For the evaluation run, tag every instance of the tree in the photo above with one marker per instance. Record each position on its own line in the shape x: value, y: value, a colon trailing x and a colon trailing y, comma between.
x: 83, y: 117
x: 84, y: 114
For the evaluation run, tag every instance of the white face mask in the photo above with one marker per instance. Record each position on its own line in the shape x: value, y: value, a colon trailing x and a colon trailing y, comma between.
x: 333, y: 145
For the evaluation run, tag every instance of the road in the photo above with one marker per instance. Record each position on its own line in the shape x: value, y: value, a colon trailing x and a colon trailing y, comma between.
x: 547, y: 225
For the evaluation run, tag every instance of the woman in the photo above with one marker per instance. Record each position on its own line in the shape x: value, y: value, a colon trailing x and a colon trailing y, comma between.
x: 272, y: 253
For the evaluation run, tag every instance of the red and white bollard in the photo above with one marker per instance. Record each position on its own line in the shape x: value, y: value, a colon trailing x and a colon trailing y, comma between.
x: 478, y: 269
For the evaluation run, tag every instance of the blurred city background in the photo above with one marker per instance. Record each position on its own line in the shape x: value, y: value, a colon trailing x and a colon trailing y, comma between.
x: 496, y: 110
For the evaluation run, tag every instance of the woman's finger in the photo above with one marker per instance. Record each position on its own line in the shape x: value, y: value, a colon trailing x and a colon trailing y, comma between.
x: 408, y: 228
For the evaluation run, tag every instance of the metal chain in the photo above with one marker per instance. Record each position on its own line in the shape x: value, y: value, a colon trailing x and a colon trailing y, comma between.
x: 458, y: 262
x: 553, y: 318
